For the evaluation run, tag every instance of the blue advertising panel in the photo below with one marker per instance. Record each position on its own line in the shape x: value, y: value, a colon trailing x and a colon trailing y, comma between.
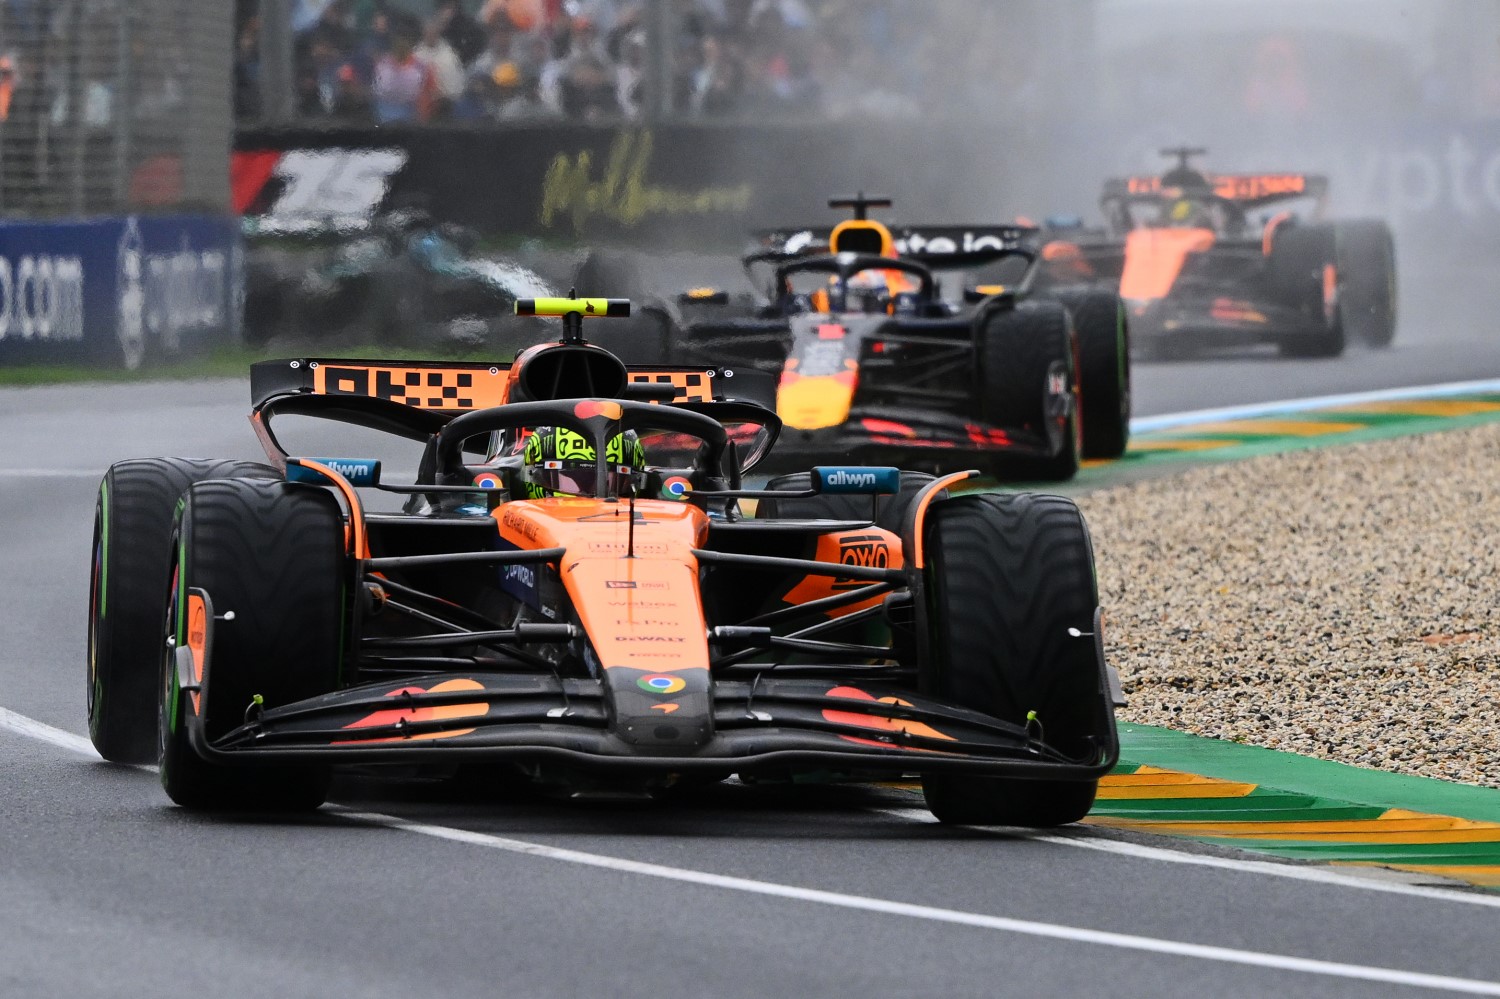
x: 118, y: 292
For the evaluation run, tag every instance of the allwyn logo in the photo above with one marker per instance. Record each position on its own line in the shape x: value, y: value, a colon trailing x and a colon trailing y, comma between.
x: 359, y: 473
x: 843, y: 478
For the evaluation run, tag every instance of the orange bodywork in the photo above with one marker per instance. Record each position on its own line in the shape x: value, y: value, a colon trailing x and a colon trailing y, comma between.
x: 931, y: 492
x: 450, y: 387
x: 459, y: 387
x: 862, y: 236
x: 197, y: 640
x: 356, y: 539
x: 876, y: 722
x: 871, y: 547
x: 1154, y: 258
x: 1268, y: 236
x: 438, y: 712
x: 643, y: 610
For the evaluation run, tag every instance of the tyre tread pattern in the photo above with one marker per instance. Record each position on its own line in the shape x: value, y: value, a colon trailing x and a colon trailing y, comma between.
x: 142, y: 495
x: 1016, y: 348
x: 273, y: 554
x: 1008, y: 576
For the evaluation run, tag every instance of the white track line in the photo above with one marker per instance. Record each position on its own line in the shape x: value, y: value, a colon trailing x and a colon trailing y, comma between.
x: 1022, y: 927
x: 42, y: 732
x: 1293, y: 872
x: 51, y: 473
x: 1171, y: 420
x: 30, y: 728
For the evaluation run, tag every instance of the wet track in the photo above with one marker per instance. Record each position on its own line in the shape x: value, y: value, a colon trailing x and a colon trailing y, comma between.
x: 734, y: 891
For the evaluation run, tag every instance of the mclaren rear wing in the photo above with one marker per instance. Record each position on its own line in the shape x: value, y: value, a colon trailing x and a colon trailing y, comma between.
x: 440, y: 387
x: 1248, y: 190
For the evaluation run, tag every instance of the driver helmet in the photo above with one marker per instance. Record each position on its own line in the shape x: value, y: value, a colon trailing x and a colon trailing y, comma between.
x: 867, y: 292
x: 1188, y: 213
x: 561, y: 462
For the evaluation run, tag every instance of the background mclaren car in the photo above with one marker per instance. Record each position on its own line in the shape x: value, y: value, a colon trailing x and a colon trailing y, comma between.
x: 1196, y: 266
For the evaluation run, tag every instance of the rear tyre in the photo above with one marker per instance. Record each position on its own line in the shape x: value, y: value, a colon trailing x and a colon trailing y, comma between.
x: 1022, y: 353
x: 1103, y: 370
x: 1007, y: 576
x: 1300, y: 256
x: 1366, y: 255
x: 890, y: 516
x: 128, y: 594
x: 273, y: 554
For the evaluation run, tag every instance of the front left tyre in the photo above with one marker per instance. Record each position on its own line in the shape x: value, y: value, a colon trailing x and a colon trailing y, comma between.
x: 1011, y: 595
x: 271, y: 558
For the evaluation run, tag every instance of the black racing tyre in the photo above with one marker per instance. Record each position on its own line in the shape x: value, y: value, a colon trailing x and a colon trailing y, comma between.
x: 1299, y: 256
x: 273, y: 554
x: 1103, y: 369
x: 1019, y: 351
x: 1366, y: 257
x: 128, y: 594
x: 1007, y: 576
x: 891, y: 514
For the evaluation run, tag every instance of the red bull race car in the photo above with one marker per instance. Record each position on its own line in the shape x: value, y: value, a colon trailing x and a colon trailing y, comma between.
x: 856, y: 347
x: 569, y: 592
x: 1196, y: 269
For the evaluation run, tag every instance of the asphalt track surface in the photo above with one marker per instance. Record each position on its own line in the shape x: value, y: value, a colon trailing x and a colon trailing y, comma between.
x: 735, y: 891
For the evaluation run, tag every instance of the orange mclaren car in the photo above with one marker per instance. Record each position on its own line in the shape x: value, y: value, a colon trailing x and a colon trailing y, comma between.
x: 568, y: 590
x: 1197, y: 267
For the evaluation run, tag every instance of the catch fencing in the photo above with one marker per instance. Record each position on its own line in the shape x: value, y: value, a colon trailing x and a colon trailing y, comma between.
x: 116, y: 121
x: 114, y: 106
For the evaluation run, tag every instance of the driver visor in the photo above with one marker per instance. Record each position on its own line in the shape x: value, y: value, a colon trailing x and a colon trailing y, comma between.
x: 578, y: 478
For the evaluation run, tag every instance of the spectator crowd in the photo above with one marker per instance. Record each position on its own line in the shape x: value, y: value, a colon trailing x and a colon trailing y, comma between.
x: 386, y: 61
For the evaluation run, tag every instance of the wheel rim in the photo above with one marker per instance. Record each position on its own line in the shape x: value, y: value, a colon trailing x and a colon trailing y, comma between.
x: 166, y: 718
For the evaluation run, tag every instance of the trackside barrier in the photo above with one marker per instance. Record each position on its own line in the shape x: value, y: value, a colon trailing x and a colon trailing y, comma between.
x: 118, y: 292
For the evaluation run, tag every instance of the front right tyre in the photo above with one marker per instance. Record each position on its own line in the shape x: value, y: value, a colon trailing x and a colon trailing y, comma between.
x: 271, y: 558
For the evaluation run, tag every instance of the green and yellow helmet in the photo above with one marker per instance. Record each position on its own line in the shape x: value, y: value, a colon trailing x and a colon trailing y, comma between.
x: 559, y: 461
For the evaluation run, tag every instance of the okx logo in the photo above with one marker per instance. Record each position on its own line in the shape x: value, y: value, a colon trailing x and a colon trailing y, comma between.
x: 867, y: 550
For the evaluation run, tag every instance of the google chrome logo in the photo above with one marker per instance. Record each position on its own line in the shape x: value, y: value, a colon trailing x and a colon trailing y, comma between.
x: 676, y: 488
x: 659, y: 683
